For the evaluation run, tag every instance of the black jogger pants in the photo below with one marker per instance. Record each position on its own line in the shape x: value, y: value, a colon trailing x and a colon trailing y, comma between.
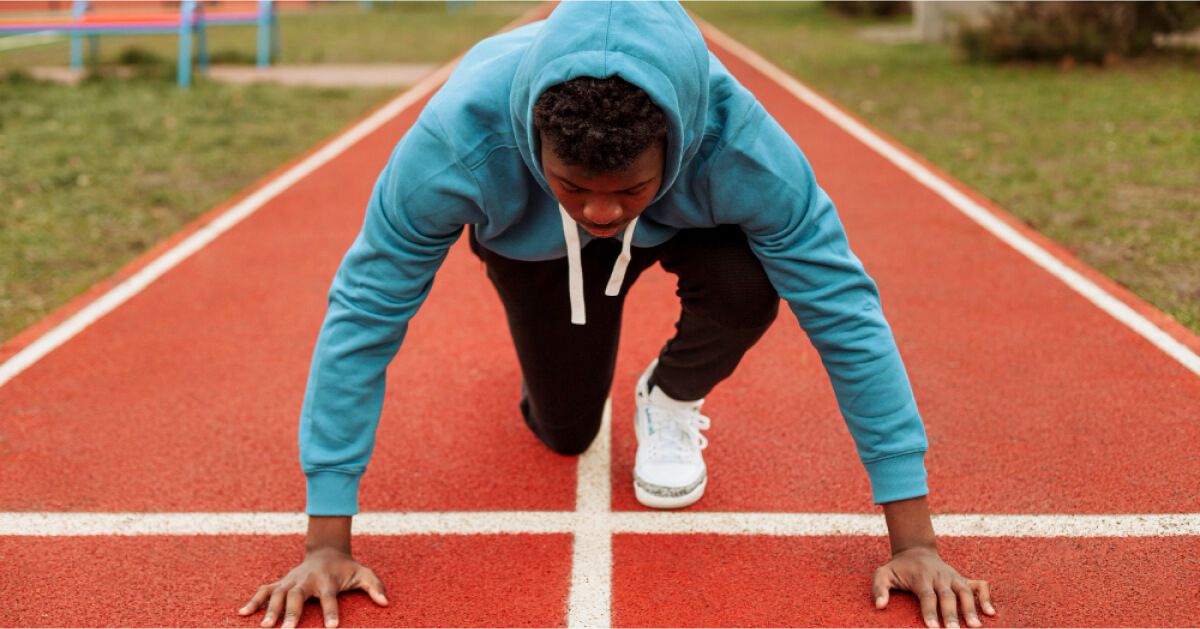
x: 727, y: 304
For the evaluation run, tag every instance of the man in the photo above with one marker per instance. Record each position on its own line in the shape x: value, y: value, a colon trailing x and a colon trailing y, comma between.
x: 614, y: 120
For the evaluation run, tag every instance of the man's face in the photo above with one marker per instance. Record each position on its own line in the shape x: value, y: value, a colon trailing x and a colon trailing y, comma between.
x: 604, y: 203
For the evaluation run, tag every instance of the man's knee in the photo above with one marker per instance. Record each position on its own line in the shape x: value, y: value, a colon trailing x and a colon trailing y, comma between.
x: 569, y: 444
x: 741, y: 298
x: 566, y: 432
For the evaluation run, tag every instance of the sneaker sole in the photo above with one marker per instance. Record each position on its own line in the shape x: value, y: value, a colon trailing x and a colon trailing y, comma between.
x: 669, y: 502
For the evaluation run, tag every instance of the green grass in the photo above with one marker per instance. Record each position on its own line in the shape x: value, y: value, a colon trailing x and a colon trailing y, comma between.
x: 1104, y: 161
x: 91, y: 176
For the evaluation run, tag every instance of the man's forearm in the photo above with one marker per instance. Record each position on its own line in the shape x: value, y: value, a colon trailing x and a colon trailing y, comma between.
x: 909, y: 524
x: 328, y: 532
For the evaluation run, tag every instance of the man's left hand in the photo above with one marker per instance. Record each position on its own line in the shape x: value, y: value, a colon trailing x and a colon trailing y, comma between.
x: 938, y: 586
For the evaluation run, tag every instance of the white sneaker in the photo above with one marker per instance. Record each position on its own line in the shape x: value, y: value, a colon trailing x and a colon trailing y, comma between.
x: 669, y: 470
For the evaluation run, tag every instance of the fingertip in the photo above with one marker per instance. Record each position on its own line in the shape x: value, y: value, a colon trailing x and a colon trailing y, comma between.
x: 880, y: 602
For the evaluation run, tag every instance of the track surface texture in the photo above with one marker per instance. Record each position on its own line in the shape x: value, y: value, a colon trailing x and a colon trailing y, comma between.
x: 185, y: 398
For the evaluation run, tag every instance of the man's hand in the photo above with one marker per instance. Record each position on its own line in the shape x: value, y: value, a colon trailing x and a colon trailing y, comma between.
x: 938, y: 586
x: 324, y: 573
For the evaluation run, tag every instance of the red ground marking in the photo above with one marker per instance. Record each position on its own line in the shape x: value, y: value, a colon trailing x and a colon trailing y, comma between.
x: 431, y: 581
x: 1034, y: 399
x: 729, y: 581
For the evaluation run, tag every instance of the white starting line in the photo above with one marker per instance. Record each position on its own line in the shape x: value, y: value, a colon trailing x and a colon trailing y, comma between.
x: 37, y: 524
x: 593, y: 524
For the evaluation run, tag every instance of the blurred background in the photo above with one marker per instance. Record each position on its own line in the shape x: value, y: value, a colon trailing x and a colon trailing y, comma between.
x: 1080, y: 118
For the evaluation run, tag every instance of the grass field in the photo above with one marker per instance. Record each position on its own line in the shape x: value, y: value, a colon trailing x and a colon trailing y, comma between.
x: 1104, y: 161
x: 91, y: 176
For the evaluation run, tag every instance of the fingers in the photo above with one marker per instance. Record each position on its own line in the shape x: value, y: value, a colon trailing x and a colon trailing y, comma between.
x: 255, y: 601
x: 881, y: 587
x: 329, y: 606
x: 966, y: 601
x: 948, y: 602
x: 295, y: 604
x: 928, y: 600
x: 274, y: 607
x: 367, y: 580
x: 985, y: 595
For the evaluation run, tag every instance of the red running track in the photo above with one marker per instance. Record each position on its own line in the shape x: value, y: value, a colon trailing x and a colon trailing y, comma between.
x: 186, y: 398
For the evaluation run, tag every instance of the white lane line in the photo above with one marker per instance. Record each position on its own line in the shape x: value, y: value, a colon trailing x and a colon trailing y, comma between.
x: 998, y: 228
x: 589, y: 603
x: 946, y: 525
x: 598, y: 525
x: 121, y: 293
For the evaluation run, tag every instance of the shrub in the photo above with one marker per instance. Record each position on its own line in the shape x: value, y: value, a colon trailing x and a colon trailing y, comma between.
x: 138, y: 56
x: 1089, y: 32
x: 870, y: 8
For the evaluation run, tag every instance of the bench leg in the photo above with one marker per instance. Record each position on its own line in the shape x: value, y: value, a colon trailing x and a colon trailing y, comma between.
x: 78, y: 8
x: 184, y: 74
x: 267, y: 33
x: 202, y: 46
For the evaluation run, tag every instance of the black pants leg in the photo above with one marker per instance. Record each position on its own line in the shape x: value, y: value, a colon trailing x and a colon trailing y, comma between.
x: 568, y: 369
x: 727, y: 305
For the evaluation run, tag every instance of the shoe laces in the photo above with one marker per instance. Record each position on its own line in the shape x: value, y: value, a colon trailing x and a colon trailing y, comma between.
x: 677, y: 433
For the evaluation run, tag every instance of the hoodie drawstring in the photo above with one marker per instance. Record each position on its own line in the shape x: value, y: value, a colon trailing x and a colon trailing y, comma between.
x: 575, y: 265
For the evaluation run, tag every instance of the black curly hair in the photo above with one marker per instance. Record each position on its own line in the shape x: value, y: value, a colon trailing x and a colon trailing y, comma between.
x: 600, y: 124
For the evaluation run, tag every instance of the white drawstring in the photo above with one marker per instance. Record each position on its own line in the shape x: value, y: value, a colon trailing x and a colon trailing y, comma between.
x: 618, y: 273
x: 574, y: 268
x: 575, y: 265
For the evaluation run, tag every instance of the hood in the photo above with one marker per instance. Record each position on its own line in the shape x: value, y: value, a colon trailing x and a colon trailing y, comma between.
x: 653, y: 45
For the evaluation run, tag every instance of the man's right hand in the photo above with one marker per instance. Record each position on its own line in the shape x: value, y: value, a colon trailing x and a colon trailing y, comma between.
x: 324, y: 573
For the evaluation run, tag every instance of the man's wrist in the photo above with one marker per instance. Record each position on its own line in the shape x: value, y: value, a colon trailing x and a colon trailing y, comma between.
x: 328, y: 533
x: 909, y: 525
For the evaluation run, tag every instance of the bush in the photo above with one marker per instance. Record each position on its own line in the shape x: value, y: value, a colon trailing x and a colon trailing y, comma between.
x: 1088, y: 32
x: 870, y: 8
x: 138, y: 56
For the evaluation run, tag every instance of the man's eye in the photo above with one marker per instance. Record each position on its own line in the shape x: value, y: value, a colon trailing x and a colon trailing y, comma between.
x: 572, y: 190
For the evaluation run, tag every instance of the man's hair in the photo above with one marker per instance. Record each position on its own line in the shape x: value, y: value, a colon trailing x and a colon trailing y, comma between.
x: 600, y: 124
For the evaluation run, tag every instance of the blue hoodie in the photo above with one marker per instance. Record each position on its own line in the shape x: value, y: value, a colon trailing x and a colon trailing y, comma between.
x: 472, y: 158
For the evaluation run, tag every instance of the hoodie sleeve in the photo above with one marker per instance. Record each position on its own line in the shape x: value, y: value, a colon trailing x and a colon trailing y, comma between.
x: 761, y: 181
x: 417, y: 210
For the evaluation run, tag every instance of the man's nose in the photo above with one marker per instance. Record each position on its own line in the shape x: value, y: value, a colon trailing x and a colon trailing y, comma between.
x: 601, y: 211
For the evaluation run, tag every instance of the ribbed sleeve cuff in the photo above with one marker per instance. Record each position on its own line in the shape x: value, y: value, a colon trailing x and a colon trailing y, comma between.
x: 898, y: 477
x: 332, y: 493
